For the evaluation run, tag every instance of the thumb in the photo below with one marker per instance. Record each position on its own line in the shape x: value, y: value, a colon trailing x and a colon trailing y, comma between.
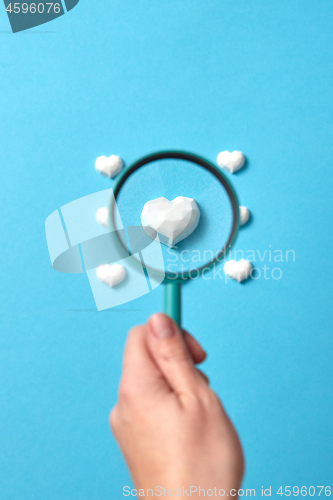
x: 170, y: 353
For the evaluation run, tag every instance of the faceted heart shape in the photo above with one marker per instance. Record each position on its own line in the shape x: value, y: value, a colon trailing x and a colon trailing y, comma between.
x: 238, y: 270
x: 231, y: 161
x: 109, y: 166
x: 244, y: 215
x: 111, y: 275
x: 171, y: 221
x: 102, y: 217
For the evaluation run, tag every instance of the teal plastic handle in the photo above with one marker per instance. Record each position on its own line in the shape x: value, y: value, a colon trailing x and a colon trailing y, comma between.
x: 172, y: 300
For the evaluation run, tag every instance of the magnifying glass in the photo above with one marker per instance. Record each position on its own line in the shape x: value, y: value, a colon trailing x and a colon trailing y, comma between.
x: 170, y: 174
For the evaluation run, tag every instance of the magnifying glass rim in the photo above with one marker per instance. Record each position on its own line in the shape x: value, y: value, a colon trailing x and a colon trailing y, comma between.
x: 202, y: 162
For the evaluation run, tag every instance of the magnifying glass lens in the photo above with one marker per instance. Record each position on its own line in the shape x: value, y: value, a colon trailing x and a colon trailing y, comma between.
x: 172, y: 177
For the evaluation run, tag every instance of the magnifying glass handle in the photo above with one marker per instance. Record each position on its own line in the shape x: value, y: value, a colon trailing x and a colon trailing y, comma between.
x: 172, y: 300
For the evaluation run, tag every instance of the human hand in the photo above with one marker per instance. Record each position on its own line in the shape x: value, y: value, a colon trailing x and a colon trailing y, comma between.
x: 169, y: 424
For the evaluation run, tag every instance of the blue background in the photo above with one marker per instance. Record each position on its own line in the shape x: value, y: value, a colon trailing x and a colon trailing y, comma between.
x: 129, y: 78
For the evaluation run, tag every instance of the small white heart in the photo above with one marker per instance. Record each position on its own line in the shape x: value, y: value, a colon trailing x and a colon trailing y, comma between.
x: 238, y: 270
x: 171, y: 220
x: 102, y: 217
x: 231, y: 161
x: 111, y: 275
x: 109, y: 166
x: 244, y: 215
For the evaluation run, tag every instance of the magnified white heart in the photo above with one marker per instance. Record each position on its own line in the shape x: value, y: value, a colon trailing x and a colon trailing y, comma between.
x: 231, y: 161
x: 111, y: 275
x: 109, y: 166
x: 171, y: 221
x: 102, y: 216
x: 238, y: 270
x: 244, y: 215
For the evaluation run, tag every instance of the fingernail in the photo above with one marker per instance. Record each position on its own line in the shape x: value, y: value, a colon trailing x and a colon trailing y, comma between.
x: 161, y: 326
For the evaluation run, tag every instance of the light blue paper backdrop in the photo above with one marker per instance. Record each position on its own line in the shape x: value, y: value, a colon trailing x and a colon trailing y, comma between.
x: 130, y: 78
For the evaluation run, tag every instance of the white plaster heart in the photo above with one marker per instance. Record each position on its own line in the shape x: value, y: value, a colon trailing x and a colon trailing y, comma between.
x: 111, y: 275
x: 102, y: 217
x: 170, y: 221
x: 109, y: 166
x: 238, y: 270
x: 244, y: 215
x: 231, y: 161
